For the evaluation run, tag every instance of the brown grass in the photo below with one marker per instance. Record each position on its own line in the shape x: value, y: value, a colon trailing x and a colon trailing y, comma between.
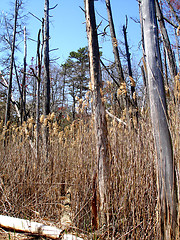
x: 35, y: 192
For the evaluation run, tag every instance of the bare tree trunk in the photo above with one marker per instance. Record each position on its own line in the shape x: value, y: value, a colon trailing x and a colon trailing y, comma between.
x: 99, y: 111
x: 23, y: 100
x: 165, y: 67
x: 114, y: 43
x: 46, y: 60
x: 167, y: 189
x: 64, y: 81
x: 46, y: 77
x: 38, y: 99
x: 74, y: 101
x: 8, y: 104
x: 133, y: 92
x: 169, y: 52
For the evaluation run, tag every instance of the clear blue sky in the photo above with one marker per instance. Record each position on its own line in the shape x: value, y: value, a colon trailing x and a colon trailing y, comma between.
x: 67, y: 28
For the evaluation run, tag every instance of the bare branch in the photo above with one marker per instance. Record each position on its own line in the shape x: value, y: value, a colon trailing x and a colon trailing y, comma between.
x: 35, y: 17
x: 32, y: 40
x: 136, y: 20
x: 117, y: 119
x: 53, y: 7
x: 167, y: 20
x: 82, y: 9
x: 55, y: 49
x: 109, y: 73
x: 102, y: 16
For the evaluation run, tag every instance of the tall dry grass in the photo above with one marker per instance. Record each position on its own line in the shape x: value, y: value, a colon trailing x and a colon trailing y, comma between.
x: 36, y: 192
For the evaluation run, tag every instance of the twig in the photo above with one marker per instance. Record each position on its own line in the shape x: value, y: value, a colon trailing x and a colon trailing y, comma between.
x: 53, y: 7
x: 117, y: 119
x: 109, y: 73
x: 130, y: 231
x: 35, y: 17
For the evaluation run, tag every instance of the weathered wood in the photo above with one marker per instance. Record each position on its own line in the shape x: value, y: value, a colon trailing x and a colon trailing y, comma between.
x: 46, y: 60
x: 27, y: 226
x: 98, y: 111
x: 167, y: 189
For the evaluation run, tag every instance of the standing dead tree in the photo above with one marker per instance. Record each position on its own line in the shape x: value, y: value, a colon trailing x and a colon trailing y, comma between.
x: 8, y: 104
x: 114, y: 43
x: 167, y: 189
x: 46, y: 60
x: 98, y: 111
x: 166, y: 41
x: 133, y: 84
x: 23, y: 96
x: 46, y: 100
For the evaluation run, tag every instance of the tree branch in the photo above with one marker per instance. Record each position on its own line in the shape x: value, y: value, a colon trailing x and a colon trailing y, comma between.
x: 53, y: 7
x: 35, y: 17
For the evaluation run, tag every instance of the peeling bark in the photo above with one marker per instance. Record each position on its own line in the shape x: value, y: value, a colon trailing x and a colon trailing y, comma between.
x: 98, y: 111
x: 167, y: 189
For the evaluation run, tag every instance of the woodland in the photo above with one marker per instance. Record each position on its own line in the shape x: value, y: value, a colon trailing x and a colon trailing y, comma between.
x: 91, y: 148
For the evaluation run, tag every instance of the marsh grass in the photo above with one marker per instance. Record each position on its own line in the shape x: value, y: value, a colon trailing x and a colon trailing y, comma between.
x: 35, y: 192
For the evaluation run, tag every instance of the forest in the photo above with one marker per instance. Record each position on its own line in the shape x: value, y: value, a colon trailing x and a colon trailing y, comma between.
x: 90, y: 148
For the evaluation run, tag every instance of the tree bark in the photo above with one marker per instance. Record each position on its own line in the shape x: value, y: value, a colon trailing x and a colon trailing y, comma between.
x: 167, y: 189
x: 98, y: 111
x: 8, y: 104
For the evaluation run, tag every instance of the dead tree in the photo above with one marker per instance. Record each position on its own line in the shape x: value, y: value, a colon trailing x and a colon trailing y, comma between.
x: 8, y: 104
x: 114, y: 43
x: 133, y: 84
x: 98, y: 111
x: 23, y: 98
x: 167, y: 189
x: 165, y: 37
x: 46, y: 100
x: 46, y: 60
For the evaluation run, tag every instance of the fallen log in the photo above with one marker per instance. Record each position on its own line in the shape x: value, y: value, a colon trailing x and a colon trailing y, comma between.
x: 28, y: 226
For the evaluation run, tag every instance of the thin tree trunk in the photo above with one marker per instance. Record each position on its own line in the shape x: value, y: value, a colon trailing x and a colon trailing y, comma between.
x: 133, y: 92
x: 74, y: 101
x: 169, y: 52
x: 23, y: 100
x: 165, y: 67
x: 38, y: 100
x: 167, y: 189
x: 99, y: 111
x: 8, y: 104
x: 64, y: 81
x: 46, y: 60
x: 46, y: 77
x: 114, y: 43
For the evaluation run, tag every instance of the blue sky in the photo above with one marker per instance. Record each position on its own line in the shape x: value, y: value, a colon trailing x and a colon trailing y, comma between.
x: 67, y: 28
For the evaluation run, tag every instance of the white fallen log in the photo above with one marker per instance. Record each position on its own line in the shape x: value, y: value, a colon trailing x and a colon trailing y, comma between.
x: 27, y: 226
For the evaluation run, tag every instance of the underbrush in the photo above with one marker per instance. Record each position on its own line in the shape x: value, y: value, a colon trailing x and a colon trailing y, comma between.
x: 35, y: 190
